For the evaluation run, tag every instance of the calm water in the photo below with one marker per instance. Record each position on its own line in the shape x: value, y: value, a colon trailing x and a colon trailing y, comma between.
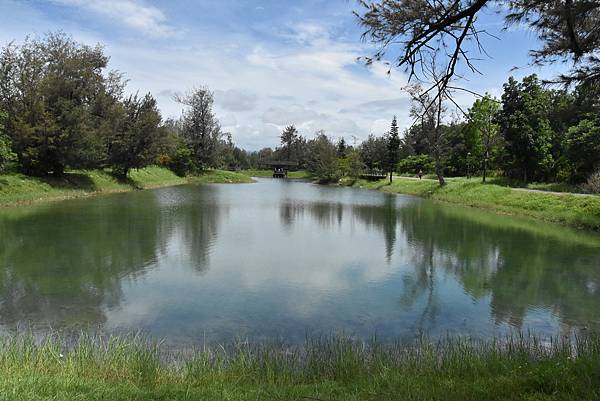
x: 283, y: 259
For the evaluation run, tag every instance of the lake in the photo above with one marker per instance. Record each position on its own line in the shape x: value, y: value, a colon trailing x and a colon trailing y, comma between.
x: 282, y: 259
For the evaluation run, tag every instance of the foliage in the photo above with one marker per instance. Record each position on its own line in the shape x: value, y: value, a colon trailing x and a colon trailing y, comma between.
x: 289, y: 137
x: 393, y: 148
x: 58, y: 101
x: 6, y: 153
x: 182, y: 161
x: 583, y: 148
x: 350, y: 165
x: 323, y: 163
x: 593, y: 183
x: 132, y: 145
x: 482, y: 121
x: 199, y: 126
x: 424, y: 33
x: 373, y: 153
x: 414, y: 164
x: 526, y: 129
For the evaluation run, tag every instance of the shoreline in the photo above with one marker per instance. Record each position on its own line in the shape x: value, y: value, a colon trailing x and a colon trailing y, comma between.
x: 567, y: 210
x: 325, y: 368
x: 18, y: 190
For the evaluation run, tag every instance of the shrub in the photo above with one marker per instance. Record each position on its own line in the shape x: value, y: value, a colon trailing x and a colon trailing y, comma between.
x: 181, y: 162
x: 6, y: 154
x: 593, y: 183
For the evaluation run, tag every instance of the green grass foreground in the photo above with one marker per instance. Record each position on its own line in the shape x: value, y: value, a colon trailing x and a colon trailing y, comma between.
x: 18, y: 189
x: 568, y: 209
x: 323, y: 369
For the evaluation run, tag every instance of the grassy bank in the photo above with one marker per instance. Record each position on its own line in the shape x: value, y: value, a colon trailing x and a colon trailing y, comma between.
x: 17, y: 189
x: 221, y: 177
x: 301, y: 174
x: 323, y: 369
x: 572, y: 210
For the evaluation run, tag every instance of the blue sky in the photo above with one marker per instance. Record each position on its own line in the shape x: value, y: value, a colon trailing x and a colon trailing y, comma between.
x: 270, y: 63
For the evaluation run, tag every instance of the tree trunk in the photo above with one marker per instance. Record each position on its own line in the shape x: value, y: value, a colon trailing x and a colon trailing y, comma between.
x: 439, y: 171
x: 484, y: 169
x: 390, y: 178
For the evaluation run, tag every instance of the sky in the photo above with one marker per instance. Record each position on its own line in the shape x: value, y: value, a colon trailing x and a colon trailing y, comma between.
x: 270, y: 63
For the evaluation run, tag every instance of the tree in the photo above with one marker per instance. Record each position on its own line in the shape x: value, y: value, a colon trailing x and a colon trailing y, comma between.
x: 373, y: 152
x: 424, y: 31
x: 481, y: 118
x: 342, y: 147
x: 350, y: 165
x: 133, y: 144
x: 323, y: 162
x: 6, y: 153
x: 57, y: 101
x: 583, y: 148
x: 289, y: 136
x: 526, y: 129
x: 431, y: 111
x: 393, y: 148
x: 199, y: 125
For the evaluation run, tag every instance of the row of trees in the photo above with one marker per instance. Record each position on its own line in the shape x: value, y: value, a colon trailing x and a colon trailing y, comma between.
x: 532, y: 133
x: 60, y: 108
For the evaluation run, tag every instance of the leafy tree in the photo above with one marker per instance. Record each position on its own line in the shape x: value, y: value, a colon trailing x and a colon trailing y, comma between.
x: 289, y: 136
x: 526, y: 129
x: 414, y: 141
x: 199, y: 126
x: 55, y: 94
x: 482, y: 119
x: 393, y: 148
x: 583, y: 148
x: 350, y: 165
x: 413, y: 164
x: 133, y: 144
x: 342, y: 147
x: 6, y: 153
x: 431, y: 110
x: 323, y: 162
x: 373, y: 153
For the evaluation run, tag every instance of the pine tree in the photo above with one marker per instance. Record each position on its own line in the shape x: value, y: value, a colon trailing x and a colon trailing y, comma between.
x: 393, y: 147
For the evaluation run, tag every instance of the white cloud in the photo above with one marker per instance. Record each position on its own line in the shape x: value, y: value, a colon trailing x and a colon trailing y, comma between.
x: 133, y: 13
x: 235, y: 100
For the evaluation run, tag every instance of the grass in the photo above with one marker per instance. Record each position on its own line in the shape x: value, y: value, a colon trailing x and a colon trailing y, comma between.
x: 301, y: 174
x: 567, y: 209
x: 18, y: 189
x: 221, y: 177
x: 331, y: 368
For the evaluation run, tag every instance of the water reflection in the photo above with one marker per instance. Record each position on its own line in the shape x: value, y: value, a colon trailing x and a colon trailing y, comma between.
x: 280, y: 259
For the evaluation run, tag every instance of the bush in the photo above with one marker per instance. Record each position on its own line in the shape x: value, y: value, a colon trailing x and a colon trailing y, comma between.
x: 6, y: 154
x: 181, y: 162
x: 593, y: 183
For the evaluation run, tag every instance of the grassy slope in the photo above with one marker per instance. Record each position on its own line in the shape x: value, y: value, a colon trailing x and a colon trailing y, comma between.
x: 221, y: 177
x: 16, y: 189
x: 576, y: 211
x: 326, y: 369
